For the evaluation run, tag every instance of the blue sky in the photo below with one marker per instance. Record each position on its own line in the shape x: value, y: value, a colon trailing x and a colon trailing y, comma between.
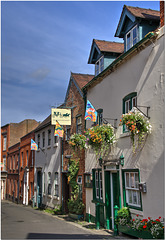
x: 42, y: 42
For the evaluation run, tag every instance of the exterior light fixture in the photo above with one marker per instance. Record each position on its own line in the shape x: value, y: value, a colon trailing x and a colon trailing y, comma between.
x: 122, y: 160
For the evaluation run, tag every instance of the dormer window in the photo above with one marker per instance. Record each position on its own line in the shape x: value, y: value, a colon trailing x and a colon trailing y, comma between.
x: 99, y: 66
x: 131, y: 38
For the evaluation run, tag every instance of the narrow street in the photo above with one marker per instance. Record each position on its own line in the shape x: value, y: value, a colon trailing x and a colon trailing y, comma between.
x: 24, y: 222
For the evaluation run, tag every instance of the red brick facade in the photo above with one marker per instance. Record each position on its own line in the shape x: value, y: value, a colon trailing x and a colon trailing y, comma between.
x: 74, y: 100
x: 27, y: 162
x: 162, y: 13
x: 10, y: 137
x: 13, y: 172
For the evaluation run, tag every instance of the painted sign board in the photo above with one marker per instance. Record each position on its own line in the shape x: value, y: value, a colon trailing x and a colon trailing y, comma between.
x: 63, y: 116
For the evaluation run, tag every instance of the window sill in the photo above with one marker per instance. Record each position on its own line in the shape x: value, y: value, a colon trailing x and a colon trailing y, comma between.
x: 55, y: 145
x: 48, y: 147
x: 98, y: 201
x: 56, y: 198
x: 125, y: 134
x: 49, y: 196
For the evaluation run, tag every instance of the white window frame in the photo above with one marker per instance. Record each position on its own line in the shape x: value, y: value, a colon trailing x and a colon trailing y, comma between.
x: 27, y: 159
x: 4, y: 142
x: 101, y: 184
x: 22, y: 159
x: 43, y: 139
x: 49, y: 137
x: 56, y: 185
x: 97, y: 184
x: 131, y: 38
x: 79, y: 124
x: 39, y: 140
x: 99, y: 65
x: 49, y: 183
x: 14, y: 162
x: 133, y: 189
x: 4, y: 163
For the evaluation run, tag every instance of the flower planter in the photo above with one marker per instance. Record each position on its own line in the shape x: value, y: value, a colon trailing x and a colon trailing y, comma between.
x: 76, y: 216
x: 140, y: 234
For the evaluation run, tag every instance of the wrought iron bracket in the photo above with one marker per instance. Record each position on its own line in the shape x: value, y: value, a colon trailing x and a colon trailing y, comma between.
x: 146, y: 115
x: 105, y: 121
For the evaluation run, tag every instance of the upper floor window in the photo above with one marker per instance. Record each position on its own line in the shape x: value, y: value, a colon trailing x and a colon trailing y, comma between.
x: 4, y: 163
x: 99, y: 66
x: 68, y: 133
x: 55, y: 137
x: 43, y: 139
x: 27, y: 160
x: 78, y: 124
x: 4, y: 143
x: 38, y: 140
x: 14, y: 162
x: 131, y: 38
x: 49, y: 137
x: 100, y: 116
x: 129, y: 102
x: 22, y: 159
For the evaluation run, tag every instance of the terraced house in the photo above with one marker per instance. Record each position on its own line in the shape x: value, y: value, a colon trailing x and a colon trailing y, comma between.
x: 129, y: 176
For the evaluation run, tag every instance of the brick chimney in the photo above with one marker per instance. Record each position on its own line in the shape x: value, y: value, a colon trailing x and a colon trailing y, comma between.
x: 162, y: 13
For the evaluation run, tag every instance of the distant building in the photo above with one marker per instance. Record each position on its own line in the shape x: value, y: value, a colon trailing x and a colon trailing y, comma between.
x: 47, y: 179
x: 10, y: 135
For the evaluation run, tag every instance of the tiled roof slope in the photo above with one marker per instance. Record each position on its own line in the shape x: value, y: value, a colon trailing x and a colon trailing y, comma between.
x: 46, y: 122
x: 82, y: 79
x: 107, y: 46
x: 144, y: 13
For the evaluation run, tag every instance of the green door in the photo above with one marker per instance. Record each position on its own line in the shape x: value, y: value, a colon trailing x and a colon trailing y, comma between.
x: 112, y: 196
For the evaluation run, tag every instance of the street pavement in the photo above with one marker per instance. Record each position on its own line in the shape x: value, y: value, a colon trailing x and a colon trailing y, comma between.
x: 24, y: 222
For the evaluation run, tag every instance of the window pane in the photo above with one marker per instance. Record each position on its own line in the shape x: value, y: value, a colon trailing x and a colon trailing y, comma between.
x: 128, y: 41
x: 134, y: 102
x: 129, y: 196
x: 132, y: 180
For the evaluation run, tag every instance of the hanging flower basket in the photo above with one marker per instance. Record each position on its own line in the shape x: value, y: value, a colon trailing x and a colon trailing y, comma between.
x: 77, y: 141
x: 100, y: 138
x: 137, y: 124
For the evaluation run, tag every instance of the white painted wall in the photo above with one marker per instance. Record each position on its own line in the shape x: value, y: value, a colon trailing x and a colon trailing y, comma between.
x: 50, y: 161
x: 144, y: 74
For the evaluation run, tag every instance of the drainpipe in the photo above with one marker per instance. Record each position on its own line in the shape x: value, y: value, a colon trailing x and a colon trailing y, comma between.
x: 18, y: 175
x: 62, y: 156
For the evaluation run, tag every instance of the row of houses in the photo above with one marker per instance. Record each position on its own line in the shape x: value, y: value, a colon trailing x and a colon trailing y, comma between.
x: 127, y: 75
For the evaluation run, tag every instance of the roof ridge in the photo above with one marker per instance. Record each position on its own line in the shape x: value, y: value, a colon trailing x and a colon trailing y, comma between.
x: 108, y: 41
x: 83, y: 74
x: 142, y: 8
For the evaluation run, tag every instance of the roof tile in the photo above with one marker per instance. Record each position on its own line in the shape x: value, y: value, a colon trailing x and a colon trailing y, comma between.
x: 107, y: 46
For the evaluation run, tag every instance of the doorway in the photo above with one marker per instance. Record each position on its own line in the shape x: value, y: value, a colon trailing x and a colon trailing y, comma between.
x: 39, y: 188
x: 112, y: 196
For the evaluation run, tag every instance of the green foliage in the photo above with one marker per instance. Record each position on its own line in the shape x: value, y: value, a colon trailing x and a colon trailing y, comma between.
x: 75, y: 206
x: 147, y: 224
x: 73, y: 171
x: 58, y: 209
x: 123, y: 216
x: 137, y: 124
x: 77, y: 141
x: 100, y: 137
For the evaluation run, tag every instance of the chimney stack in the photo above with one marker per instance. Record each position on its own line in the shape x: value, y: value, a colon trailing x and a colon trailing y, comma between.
x: 162, y: 13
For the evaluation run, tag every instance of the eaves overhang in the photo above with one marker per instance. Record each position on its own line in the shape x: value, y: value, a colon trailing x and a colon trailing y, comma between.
x: 120, y: 60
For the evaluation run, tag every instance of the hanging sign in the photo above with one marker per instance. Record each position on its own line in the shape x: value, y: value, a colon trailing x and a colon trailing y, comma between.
x: 62, y: 116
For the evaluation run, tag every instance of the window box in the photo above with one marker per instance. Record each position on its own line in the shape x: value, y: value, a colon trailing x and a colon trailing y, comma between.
x: 49, y: 196
x: 139, y: 234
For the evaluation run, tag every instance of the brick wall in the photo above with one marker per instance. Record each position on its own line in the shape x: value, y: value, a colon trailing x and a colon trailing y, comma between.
x: 17, y: 130
x: 162, y: 13
x: 75, y: 99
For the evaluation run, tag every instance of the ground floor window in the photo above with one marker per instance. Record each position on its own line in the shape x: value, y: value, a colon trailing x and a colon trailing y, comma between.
x: 97, y: 185
x: 132, y: 193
